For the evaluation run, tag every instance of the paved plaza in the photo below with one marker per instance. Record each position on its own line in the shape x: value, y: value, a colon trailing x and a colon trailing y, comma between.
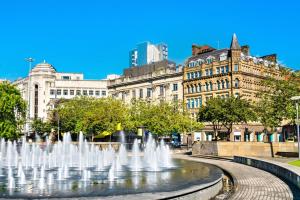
x: 252, y: 183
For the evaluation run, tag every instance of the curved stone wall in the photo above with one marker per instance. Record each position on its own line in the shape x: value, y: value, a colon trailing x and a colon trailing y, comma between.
x: 282, y: 170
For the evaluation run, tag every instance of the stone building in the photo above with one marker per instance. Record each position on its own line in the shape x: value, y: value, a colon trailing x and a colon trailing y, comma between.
x: 155, y: 82
x: 211, y: 72
x: 44, y: 84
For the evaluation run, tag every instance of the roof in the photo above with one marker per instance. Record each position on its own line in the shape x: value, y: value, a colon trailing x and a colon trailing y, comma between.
x: 215, y: 53
x: 43, y: 67
x: 234, y: 43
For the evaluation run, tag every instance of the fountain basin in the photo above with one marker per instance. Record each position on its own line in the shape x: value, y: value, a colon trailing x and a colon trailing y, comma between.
x: 186, y: 177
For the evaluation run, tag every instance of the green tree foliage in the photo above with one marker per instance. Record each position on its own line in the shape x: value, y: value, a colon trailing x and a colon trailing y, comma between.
x: 90, y: 115
x: 162, y: 119
x: 226, y: 112
x: 12, y: 111
x: 40, y: 127
x: 93, y: 116
x: 213, y: 112
x: 275, y: 103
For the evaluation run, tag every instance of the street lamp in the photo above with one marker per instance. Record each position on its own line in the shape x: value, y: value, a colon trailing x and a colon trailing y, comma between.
x: 30, y: 61
x: 297, y: 99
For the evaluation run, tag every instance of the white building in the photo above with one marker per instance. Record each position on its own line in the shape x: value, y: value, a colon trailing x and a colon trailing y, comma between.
x: 44, y: 84
x: 160, y: 81
x: 147, y: 53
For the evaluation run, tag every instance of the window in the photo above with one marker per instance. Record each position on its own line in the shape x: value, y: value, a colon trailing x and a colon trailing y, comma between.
x: 66, y: 78
x: 36, y: 101
x: 72, y: 92
x: 207, y: 72
x: 161, y: 90
x: 188, y: 89
x: 192, y: 75
x: 196, y: 103
x: 91, y: 92
x: 210, y: 86
x: 218, y: 70
x: 236, y: 83
x: 222, y: 70
x: 123, y: 96
x: 84, y: 92
x: 97, y: 93
x: 200, y: 101
x: 226, y: 69
x: 211, y: 72
x: 104, y: 93
x: 199, y: 74
x: 141, y: 93
x: 133, y: 94
x: 219, y: 85
x: 192, y: 89
x: 58, y: 92
x: 209, y: 60
x: 52, y: 92
x: 149, y: 91
x: 236, y: 67
x: 175, y: 97
x: 227, y: 83
x: 199, y: 87
x: 206, y: 86
x: 188, y: 104
x: 175, y: 87
x: 78, y: 92
x: 188, y: 76
x: 223, y: 84
x: 65, y: 92
x: 192, y: 103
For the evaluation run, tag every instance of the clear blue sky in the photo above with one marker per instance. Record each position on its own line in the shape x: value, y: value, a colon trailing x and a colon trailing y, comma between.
x: 94, y: 36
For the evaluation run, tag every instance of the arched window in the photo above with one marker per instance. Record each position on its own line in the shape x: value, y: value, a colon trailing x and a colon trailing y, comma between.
x: 223, y: 84
x: 210, y: 86
x: 188, y: 89
x: 219, y: 86
x: 206, y: 85
x: 236, y: 83
x: 227, y: 83
x: 192, y: 89
x: 199, y: 87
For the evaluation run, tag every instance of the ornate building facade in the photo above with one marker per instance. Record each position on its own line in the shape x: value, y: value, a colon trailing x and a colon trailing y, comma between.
x: 155, y: 82
x: 44, y: 85
x: 220, y: 73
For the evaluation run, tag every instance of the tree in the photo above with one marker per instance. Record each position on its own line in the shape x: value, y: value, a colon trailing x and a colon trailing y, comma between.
x: 237, y: 111
x: 275, y: 103
x: 40, y: 127
x: 163, y: 118
x: 213, y: 112
x: 226, y: 112
x: 12, y: 111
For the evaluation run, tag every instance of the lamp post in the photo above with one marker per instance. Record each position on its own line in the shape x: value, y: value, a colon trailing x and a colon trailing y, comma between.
x: 30, y: 61
x: 297, y: 99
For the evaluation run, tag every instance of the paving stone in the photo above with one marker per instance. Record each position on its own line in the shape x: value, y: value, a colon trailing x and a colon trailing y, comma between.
x: 252, y: 183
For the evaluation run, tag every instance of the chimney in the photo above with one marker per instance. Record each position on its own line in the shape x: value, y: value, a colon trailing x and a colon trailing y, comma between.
x: 246, y: 50
x: 196, y: 50
x: 271, y: 57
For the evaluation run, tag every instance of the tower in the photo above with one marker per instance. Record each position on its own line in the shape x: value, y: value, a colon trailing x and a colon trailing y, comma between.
x: 235, y: 56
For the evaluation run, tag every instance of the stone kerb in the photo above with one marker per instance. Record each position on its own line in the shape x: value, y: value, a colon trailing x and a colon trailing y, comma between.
x: 282, y: 170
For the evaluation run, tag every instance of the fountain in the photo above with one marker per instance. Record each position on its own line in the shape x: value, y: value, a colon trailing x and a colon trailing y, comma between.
x: 66, y: 169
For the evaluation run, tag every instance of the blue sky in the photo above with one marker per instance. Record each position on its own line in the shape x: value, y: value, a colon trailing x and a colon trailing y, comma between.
x: 94, y: 37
